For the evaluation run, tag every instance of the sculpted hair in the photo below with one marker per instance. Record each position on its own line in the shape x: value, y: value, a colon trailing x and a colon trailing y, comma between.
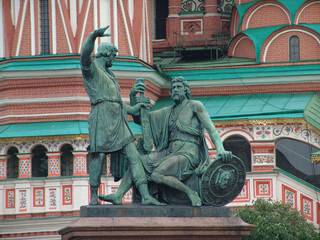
x: 185, y: 84
x: 106, y: 49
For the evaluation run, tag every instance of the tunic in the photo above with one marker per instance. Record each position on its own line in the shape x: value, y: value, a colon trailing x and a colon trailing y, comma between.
x: 108, y: 127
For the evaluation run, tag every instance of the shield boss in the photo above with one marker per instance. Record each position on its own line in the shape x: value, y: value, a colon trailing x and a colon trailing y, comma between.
x: 222, y: 182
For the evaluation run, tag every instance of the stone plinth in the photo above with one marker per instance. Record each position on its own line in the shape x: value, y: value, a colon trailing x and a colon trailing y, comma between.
x: 152, y: 222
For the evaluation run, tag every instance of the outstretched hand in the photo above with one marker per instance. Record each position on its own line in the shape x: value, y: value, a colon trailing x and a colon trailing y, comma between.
x: 100, y: 32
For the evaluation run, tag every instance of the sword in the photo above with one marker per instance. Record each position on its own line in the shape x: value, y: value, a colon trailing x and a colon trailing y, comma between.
x: 145, y: 124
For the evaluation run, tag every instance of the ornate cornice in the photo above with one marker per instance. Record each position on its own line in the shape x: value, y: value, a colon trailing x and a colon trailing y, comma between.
x: 45, y: 138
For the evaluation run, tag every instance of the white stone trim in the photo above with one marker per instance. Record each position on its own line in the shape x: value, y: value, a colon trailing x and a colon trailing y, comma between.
x: 64, y: 26
x: 33, y: 27
x: 54, y: 27
x: 84, y: 26
x: 21, y: 27
x: 115, y: 23
x: 126, y: 27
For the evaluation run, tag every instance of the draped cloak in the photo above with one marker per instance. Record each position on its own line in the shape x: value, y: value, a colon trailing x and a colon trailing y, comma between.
x: 159, y: 123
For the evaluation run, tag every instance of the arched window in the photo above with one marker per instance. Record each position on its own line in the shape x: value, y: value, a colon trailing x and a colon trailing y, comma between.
x: 294, y: 157
x: 294, y: 48
x: 12, y: 163
x: 66, y: 160
x: 240, y: 148
x: 39, y: 162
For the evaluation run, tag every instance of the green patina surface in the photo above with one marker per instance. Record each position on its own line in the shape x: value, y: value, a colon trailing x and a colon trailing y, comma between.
x: 261, y: 106
x: 259, y: 35
x: 252, y: 72
x: 68, y: 64
x: 291, y: 5
x: 51, y: 129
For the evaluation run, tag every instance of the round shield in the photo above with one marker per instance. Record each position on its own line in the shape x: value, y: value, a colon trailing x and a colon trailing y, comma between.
x: 222, y: 181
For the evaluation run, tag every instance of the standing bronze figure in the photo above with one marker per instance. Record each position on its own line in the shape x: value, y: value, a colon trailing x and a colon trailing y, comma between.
x: 108, y: 129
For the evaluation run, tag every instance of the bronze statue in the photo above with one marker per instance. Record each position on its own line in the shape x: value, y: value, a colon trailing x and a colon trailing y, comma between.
x: 178, y: 135
x: 108, y: 129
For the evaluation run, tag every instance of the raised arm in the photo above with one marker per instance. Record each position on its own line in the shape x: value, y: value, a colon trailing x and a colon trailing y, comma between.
x: 88, y: 45
x: 203, y: 116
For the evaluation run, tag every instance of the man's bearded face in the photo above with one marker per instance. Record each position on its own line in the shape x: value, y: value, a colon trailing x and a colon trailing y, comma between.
x: 108, y: 59
x: 178, y: 93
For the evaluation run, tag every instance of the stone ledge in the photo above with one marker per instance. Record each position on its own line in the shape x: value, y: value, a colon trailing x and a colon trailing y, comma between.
x: 138, y: 210
x: 156, y: 228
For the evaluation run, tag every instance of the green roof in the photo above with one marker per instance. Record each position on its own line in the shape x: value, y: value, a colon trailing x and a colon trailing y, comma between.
x: 38, y: 64
x: 245, y: 72
x: 292, y: 6
x: 260, y: 106
x: 51, y: 129
x: 259, y: 35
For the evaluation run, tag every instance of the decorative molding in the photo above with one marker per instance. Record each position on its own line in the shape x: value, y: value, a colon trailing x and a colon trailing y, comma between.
x: 22, y: 200
x: 3, y: 167
x: 289, y: 196
x: 306, y: 205
x: 263, y: 159
x: 244, y: 195
x: 263, y: 188
x: 10, y: 198
x: 52, y: 198
x: 67, y: 195
x: 297, y: 132
x: 25, y: 145
x: 38, y: 197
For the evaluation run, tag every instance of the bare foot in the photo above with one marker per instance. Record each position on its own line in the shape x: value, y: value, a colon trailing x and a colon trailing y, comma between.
x: 195, y: 199
x: 152, y: 201
x: 111, y: 198
x: 94, y: 201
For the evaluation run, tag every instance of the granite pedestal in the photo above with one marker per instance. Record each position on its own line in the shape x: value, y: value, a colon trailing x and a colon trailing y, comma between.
x: 135, y: 221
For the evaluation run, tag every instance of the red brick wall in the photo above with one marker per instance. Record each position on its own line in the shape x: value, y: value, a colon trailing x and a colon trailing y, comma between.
x: 265, y: 16
x: 244, y: 47
x: 278, y: 51
x: 310, y: 14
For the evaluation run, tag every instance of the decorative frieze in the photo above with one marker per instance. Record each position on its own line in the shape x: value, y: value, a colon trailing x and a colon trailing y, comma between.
x: 244, y: 195
x: 10, y: 198
x: 263, y: 159
x: 289, y: 196
x: 80, y: 163
x: 263, y: 188
x: 22, y: 200
x: 52, y: 198
x: 297, y: 132
x: 24, y: 165
x: 54, y: 164
x: 306, y: 207
x: 3, y: 167
x: 67, y: 195
x: 38, y: 197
